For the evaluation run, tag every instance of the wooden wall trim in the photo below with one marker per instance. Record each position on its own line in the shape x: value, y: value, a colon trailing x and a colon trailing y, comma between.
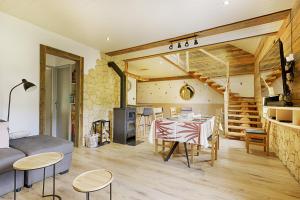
x: 79, y: 63
x: 171, y: 78
x: 42, y: 113
x: 209, y: 32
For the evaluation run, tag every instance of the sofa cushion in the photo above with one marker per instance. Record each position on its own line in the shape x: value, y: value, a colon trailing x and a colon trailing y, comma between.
x: 8, y: 157
x: 40, y: 144
x: 4, y: 138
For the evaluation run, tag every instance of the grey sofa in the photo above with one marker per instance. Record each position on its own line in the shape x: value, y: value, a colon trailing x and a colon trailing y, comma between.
x: 29, y: 146
x: 7, y: 158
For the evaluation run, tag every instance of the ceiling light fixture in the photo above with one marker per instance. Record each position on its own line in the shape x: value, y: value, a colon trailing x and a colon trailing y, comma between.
x: 179, y: 45
x: 226, y: 2
x: 107, y: 38
x: 196, y: 42
x: 186, y: 44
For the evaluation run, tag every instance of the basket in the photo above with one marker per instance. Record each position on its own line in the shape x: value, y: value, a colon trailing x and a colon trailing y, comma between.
x: 91, y: 141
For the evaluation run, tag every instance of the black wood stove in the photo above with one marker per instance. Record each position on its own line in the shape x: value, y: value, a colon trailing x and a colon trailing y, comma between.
x: 124, y: 125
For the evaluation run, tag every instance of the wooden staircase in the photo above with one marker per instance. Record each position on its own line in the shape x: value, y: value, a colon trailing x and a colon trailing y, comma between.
x: 275, y: 74
x: 211, y: 83
x: 242, y: 114
x: 199, y: 76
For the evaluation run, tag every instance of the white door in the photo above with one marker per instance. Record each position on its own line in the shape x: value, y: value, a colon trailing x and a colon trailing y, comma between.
x: 62, y: 102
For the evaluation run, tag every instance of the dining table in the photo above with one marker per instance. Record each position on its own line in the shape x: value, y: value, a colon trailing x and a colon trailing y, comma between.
x: 187, y: 130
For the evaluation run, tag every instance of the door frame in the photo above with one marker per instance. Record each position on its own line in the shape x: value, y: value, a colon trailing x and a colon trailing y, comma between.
x: 79, y: 66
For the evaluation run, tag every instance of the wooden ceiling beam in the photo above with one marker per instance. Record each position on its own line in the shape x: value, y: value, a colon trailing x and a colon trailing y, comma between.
x: 168, y: 78
x: 195, y: 48
x: 137, y: 77
x: 277, y: 16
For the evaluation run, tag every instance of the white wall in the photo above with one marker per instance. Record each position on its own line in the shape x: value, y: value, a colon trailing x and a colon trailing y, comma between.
x: 242, y: 84
x: 131, y: 95
x: 168, y: 92
x: 20, y: 59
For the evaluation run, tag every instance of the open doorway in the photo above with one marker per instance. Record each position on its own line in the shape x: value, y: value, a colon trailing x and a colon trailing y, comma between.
x: 61, y: 94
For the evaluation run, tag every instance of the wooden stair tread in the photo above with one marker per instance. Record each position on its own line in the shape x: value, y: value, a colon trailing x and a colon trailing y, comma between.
x: 236, y: 134
x: 243, y: 106
x: 248, y: 116
x: 243, y: 97
x: 216, y: 85
x: 271, y: 78
x: 252, y: 111
x: 243, y: 122
x: 204, y: 77
x: 242, y: 101
x: 243, y: 127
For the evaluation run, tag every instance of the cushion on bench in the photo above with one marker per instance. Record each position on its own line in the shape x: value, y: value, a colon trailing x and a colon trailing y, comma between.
x: 41, y: 143
x: 253, y: 131
x: 8, y: 157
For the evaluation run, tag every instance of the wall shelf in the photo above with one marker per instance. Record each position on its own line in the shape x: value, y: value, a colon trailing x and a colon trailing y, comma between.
x: 285, y: 116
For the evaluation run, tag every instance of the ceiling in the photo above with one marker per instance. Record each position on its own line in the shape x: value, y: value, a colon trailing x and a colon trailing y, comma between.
x: 134, y: 22
x: 154, y: 68
x: 240, y: 61
x: 249, y: 45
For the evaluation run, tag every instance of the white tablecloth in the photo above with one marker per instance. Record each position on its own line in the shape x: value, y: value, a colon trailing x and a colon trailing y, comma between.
x: 204, y: 132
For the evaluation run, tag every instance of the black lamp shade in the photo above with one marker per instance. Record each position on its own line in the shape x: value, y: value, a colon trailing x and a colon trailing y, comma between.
x: 27, y: 85
x: 186, y: 44
x: 196, y: 42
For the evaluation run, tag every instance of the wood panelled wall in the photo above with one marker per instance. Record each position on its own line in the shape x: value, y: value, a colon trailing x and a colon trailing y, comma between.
x: 290, y: 36
x: 284, y: 141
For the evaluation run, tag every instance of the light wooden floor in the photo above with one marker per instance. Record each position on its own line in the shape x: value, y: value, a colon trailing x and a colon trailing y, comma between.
x: 139, y: 174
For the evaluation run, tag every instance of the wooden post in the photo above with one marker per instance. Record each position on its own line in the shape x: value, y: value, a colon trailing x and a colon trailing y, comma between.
x: 187, y: 61
x: 125, y: 72
x: 226, y: 99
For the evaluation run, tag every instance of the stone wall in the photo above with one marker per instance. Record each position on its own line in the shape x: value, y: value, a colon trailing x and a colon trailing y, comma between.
x: 101, y: 92
x: 285, y: 142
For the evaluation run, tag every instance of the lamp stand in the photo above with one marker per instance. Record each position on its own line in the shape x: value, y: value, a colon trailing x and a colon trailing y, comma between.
x: 9, y: 100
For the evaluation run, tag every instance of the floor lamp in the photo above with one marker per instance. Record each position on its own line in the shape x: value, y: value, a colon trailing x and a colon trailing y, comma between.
x: 28, y: 86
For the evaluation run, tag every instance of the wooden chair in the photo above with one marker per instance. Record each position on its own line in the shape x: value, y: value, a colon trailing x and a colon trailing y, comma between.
x: 258, y: 137
x: 147, y: 119
x: 214, y: 142
x: 158, y: 113
x: 173, y: 112
x: 139, y: 112
x: 186, y: 110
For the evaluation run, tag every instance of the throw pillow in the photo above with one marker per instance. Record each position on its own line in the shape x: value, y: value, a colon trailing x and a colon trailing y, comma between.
x: 4, y: 138
x: 19, y: 134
